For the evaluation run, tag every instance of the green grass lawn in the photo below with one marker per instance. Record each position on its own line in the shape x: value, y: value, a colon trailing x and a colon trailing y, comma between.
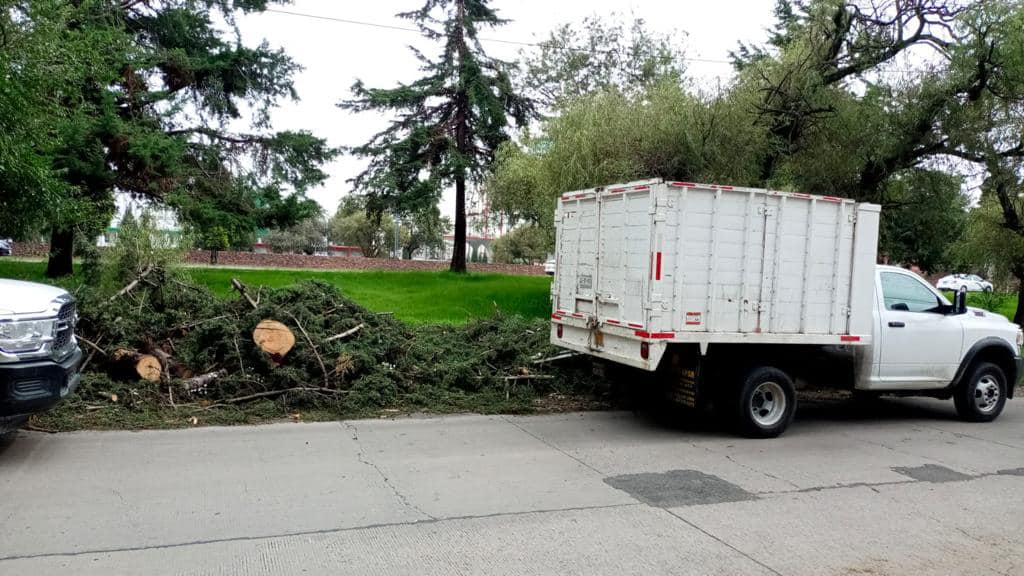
x: 415, y: 297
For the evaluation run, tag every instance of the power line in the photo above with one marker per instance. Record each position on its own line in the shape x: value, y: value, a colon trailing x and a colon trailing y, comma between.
x: 496, y: 40
x: 526, y: 44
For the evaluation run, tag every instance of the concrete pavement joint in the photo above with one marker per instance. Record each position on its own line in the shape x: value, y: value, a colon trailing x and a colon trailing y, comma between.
x: 874, y: 485
x: 554, y: 447
x: 361, y: 456
x: 324, y: 531
x: 723, y: 542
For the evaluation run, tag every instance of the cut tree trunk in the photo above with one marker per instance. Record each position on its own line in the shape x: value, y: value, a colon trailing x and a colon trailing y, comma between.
x: 62, y: 247
x: 274, y: 339
x: 131, y: 365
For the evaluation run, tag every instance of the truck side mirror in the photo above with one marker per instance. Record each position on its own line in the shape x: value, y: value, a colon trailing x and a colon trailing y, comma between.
x: 960, y: 301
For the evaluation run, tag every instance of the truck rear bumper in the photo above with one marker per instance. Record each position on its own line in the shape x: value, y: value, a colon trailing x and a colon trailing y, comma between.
x: 31, y: 387
x: 609, y: 343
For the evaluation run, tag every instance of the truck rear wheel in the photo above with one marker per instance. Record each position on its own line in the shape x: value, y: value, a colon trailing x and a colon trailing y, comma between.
x: 765, y: 404
x: 981, y: 396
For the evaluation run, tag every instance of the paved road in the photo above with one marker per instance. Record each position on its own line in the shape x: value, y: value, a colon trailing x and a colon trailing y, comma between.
x: 909, y: 492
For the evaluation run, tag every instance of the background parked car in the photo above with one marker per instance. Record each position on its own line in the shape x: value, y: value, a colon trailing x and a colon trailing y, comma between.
x: 6, y: 246
x: 549, y: 267
x: 972, y: 282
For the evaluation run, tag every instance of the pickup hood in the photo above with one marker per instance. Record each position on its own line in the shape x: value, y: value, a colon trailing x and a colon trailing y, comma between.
x: 980, y: 315
x: 21, y: 298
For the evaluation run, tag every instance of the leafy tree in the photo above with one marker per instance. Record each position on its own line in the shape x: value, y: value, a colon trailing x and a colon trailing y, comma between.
x: 158, y: 129
x: 449, y: 122
x: 598, y: 55
x: 307, y: 237
x: 351, y: 225
x: 524, y: 245
x: 45, y: 57
x: 424, y: 230
x: 610, y: 137
x: 924, y: 216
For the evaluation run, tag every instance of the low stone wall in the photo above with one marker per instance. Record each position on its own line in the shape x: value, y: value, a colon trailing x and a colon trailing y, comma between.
x: 252, y: 259
x: 228, y: 259
x: 31, y: 249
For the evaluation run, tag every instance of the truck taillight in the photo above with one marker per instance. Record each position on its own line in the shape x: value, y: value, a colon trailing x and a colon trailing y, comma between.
x: 1020, y: 338
x: 559, y: 331
x: 645, y: 350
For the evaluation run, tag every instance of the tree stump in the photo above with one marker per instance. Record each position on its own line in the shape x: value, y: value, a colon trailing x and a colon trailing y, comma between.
x: 273, y: 338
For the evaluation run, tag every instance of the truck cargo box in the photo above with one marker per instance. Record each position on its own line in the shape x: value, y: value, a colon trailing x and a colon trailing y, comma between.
x: 648, y: 263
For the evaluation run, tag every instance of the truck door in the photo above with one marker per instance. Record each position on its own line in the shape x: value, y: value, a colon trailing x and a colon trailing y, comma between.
x: 919, y: 344
x: 623, y: 257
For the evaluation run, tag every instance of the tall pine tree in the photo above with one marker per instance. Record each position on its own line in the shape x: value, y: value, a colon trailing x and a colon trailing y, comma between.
x: 448, y: 123
x: 164, y: 125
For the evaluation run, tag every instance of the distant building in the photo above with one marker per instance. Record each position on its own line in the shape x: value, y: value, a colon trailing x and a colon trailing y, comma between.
x: 478, y: 248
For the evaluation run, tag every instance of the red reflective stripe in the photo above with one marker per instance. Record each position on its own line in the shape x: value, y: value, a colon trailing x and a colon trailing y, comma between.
x: 831, y: 199
x: 682, y: 184
x: 726, y: 187
x: 617, y: 190
x: 610, y: 321
x: 642, y: 187
x: 556, y: 317
x: 575, y: 315
x: 849, y: 338
x: 635, y: 325
x: 657, y: 270
x: 654, y: 335
x: 800, y: 195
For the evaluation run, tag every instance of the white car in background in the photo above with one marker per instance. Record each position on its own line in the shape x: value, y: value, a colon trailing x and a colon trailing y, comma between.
x: 549, y: 266
x: 972, y: 282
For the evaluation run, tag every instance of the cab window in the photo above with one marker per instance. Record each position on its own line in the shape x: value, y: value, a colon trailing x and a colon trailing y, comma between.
x: 906, y: 293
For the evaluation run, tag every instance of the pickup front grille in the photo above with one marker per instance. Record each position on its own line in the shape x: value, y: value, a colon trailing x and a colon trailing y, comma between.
x: 62, y: 340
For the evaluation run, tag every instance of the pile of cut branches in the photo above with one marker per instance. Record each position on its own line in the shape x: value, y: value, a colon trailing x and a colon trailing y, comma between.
x: 161, y: 341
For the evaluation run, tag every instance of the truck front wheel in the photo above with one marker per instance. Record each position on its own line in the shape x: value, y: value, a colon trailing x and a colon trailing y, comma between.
x: 766, y: 403
x: 981, y: 396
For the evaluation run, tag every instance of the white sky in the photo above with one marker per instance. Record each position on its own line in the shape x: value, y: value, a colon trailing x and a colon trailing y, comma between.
x: 335, y: 54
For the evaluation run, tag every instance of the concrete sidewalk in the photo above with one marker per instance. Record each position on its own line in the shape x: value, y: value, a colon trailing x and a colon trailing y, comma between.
x: 910, y: 491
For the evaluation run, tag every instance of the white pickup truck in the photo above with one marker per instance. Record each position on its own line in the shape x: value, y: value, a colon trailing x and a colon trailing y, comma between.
x: 732, y: 295
x: 39, y: 354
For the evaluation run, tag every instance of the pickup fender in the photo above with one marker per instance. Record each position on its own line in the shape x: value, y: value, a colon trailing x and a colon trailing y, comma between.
x: 991, y: 345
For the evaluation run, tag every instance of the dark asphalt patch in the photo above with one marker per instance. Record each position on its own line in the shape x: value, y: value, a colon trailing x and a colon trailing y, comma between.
x: 678, y: 488
x: 932, y: 473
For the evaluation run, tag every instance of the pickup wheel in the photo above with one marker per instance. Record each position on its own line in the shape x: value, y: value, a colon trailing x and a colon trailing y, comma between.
x: 765, y: 404
x: 980, y: 397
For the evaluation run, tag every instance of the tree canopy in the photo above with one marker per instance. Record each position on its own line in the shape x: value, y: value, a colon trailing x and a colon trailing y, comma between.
x: 447, y: 123
x: 824, y: 107
x: 149, y: 103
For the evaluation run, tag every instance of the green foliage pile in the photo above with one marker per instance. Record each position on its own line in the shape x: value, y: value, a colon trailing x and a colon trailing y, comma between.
x: 485, y: 365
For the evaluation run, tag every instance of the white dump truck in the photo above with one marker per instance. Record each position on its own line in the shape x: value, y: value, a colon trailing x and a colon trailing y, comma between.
x: 731, y: 295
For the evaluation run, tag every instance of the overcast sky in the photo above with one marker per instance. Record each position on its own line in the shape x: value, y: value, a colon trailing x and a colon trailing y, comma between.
x: 334, y: 54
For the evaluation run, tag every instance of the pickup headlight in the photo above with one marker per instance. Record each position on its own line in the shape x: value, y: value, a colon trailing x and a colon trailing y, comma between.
x: 26, y: 335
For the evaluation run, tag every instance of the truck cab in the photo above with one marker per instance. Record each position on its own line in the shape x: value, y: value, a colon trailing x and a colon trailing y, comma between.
x: 39, y: 355
x: 923, y: 344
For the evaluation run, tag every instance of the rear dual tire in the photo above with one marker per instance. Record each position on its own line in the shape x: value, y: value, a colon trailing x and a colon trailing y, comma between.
x: 765, y: 404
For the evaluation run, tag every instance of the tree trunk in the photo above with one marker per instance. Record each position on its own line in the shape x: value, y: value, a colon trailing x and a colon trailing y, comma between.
x: 1018, y: 316
x: 62, y: 247
x: 459, y: 247
x: 213, y: 257
x: 462, y: 143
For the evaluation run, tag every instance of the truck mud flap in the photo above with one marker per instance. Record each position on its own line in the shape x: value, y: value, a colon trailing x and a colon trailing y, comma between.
x: 683, y: 377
